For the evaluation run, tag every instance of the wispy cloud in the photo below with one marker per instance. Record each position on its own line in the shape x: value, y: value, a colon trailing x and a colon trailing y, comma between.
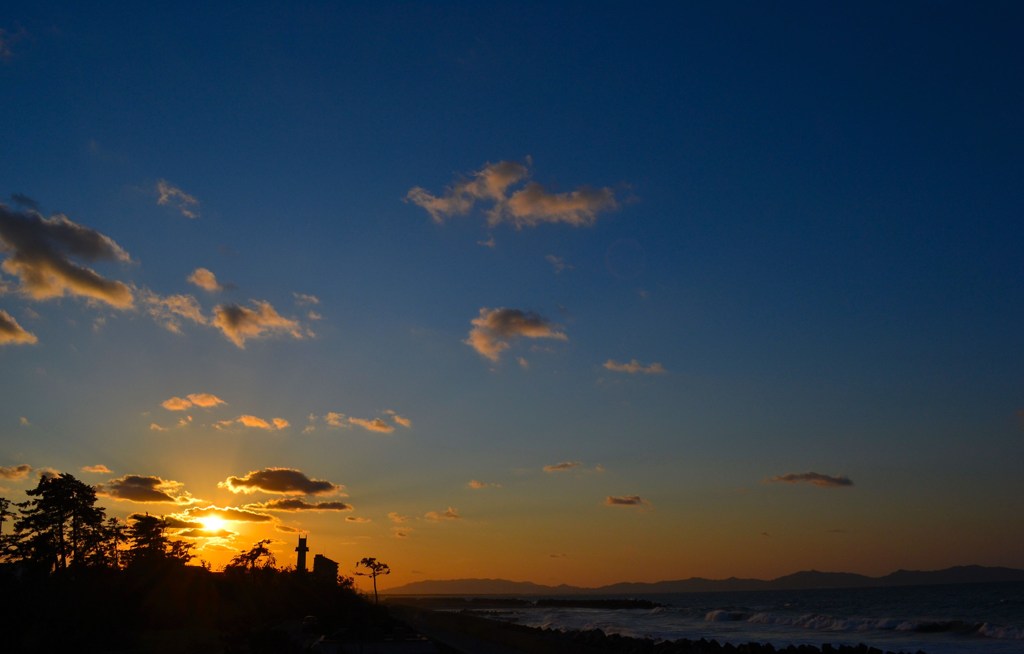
x: 98, y: 469
x: 564, y: 466
x: 812, y: 478
x: 205, y: 279
x: 375, y: 425
x: 534, y: 205
x: 40, y: 250
x: 635, y: 367
x: 168, y: 194
x: 558, y: 264
x: 254, y: 422
x: 397, y: 518
x: 476, y: 484
x: 399, y: 420
x: 489, y: 183
x: 15, y: 472
x: 339, y: 420
x: 304, y: 299
x: 11, y: 333
x: 359, y: 520
x: 203, y: 400
x: 240, y: 324
x: 449, y: 514
x: 493, y: 330
x: 280, y: 481
x: 528, y: 206
x: 169, y: 311
x: 299, y: 504
x: 8, y: 40
x: 625, y: 500
x: 145, y: 489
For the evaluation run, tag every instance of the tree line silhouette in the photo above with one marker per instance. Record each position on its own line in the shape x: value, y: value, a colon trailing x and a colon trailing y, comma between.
x: 72, y: 577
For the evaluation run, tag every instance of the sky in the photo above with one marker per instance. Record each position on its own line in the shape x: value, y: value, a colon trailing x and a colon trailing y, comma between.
x: 578, y: 292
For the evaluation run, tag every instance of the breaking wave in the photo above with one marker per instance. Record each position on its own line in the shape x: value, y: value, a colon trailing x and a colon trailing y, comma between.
x: 818, y: 622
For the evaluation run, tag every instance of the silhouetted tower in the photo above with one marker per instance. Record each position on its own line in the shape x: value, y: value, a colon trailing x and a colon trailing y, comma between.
x: 301, y: 549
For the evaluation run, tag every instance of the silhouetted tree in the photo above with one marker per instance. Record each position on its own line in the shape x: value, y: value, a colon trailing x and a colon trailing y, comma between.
x: 5, y: 505
x: 116, y: 532
x: 60, y: 527
x: 258, y: 557
x: 376, y: 568
x: 150, y: 546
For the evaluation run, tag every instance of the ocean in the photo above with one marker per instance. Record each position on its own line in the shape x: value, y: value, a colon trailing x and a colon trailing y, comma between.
x: 955, y: 619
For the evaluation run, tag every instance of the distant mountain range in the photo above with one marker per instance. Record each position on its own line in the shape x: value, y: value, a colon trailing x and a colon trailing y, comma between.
x: 810, y: 579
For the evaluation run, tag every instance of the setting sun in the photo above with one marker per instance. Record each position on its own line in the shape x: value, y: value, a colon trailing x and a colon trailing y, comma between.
x: 213, y: 524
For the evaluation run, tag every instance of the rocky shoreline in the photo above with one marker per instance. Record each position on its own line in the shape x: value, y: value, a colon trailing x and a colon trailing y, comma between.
x: 468, y: 633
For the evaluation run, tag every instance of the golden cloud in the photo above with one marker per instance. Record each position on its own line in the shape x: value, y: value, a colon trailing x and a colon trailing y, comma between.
x: 375, y: 425
x: 15, y: 472
x: 476, y: 484
x: 240, y: 324
x: 169, y: 311
x: 176, y: 404
x: 281, y: 481
x: 144, y: 489
x: 11, y: 333
x: 226, y: 513
x: 494, y: 328
x: 400, y: 420
x: 449, y: 514
x: 489, y: 183
x: 204, y: 400
x: 533, y: 205
x: 529, y: 206
x: 299, y: 504
x: 40, y: 254
x: 205, y: 279
x: 98, y: 469
x: 254, y: 422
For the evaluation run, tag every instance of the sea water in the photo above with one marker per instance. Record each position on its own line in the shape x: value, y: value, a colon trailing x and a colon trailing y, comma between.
x: 956, y: 619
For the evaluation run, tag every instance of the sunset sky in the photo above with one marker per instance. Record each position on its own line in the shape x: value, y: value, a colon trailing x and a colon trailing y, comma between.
x: 577, y: 292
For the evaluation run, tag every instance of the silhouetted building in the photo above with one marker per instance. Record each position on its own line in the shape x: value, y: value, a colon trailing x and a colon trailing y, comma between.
x: 300, y: 565
x: 325, y: 568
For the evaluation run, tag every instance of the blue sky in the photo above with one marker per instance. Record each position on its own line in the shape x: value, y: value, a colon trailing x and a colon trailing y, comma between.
x: 802, y: 222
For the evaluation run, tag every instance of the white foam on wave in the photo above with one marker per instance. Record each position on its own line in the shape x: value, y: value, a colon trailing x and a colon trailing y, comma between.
x: 724, y: 615
x: 999, y: 631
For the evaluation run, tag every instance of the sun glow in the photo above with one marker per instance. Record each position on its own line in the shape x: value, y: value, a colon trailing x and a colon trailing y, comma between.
x: 213, y: 523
